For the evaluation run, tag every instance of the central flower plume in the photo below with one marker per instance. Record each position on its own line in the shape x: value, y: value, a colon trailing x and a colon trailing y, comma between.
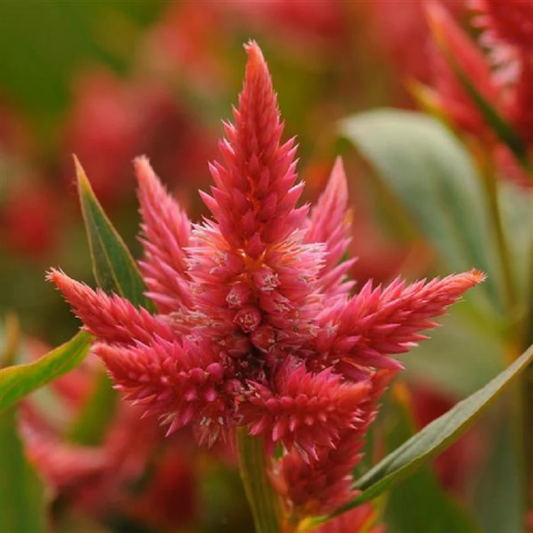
x: 257, y: 325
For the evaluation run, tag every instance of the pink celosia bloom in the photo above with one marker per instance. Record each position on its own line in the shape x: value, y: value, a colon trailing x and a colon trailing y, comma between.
x: 519, y: 109
x: 452, y: 98
x: 503, y: 76
x: 256, y: 325
x: 323, y: 484
x: 358, y: 520
x: 98, y: 478
x: 509, y: 22
x: 90, y: 476
x: 508, y: 34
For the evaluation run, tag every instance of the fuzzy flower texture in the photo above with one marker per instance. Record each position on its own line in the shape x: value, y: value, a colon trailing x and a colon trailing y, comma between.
x: 257, y: 325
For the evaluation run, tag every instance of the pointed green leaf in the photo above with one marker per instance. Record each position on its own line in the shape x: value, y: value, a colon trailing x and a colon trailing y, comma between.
x: 114, y: 268
x: 19, y: 380
x: 435, y: 437
x: 435, y: 179
x: 418, y: 504
x: 22, y: 501
x: 115, y: 271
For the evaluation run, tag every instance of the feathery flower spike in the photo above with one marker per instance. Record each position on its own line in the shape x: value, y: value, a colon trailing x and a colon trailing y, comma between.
x: 256, y: 326
x: 509, y: 22
x: 167, y: 231
x: 330, y: 222
x: 452, y: 98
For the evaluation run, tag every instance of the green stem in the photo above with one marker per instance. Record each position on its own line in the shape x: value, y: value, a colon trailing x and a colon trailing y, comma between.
x: 264, y: 503
x: 526, y: 389
x: 491, y: 190
x: 517, y: 333
x: 526, y: 394
x: 526, y: 436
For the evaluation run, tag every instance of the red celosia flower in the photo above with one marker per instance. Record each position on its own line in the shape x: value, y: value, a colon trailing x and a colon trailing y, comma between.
x: 452, y: 97
x: 256, y: 324
x: 509, y: 22
x: 519, y: 109
x: 503, y: 77
x: 89, y: 476
x: 98, y: 477
x: 508, y: 33
x: 358, y: 520
x: 323, y: 484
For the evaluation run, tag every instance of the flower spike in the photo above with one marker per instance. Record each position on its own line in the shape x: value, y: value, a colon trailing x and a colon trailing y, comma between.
x: 330, y: 223
x: 255, y: 195
x: 256, y: 326
x: 380, y: 322
x: 109, y: 318
x: 167, y: 231
x: 506, y: 22
x: 453, y: 42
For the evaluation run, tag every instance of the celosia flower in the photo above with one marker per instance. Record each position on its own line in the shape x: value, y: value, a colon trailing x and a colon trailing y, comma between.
x: 452, y: 98
x: 508, y: 34
x: 256, y: 325
x: 324, y: 484
x: 502, y: 77
x: 509, y: 22
x: 98, y: 477
x: 32, y: 236
x: 359, y: 520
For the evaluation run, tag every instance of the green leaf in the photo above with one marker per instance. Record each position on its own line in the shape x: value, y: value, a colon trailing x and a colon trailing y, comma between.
x: 418, y: 504
x: 22, y: 501
x: 19, y: 380
x: 435, y: 437
x: 115, y: 271
x: 435, y: 179
x: 114, y: 268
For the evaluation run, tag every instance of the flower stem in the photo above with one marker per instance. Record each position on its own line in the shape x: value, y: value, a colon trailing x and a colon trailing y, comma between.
x: 264, y: 503
x: 491, y: 191
x: 526, y: 435
x: 519, y: 327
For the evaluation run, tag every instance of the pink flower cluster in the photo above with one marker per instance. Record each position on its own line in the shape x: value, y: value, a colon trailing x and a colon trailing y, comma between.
x: 256, y: 324
x: 502, y: 76
x: 101, y: 475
